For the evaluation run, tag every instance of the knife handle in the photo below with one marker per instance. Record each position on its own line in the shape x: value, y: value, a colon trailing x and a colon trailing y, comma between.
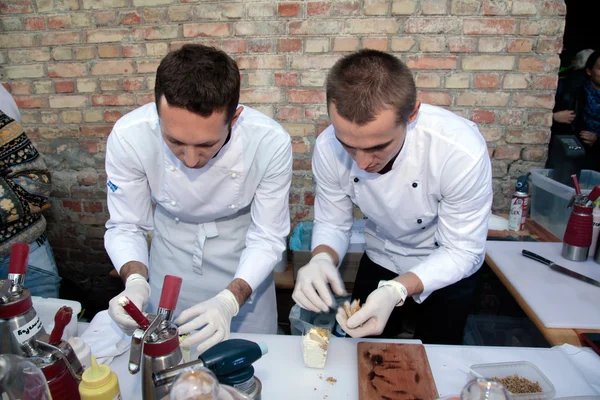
x: 536, y: 257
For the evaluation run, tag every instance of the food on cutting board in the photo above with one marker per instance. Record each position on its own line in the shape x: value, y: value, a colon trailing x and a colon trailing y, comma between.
x: 314, y: 347
x: 519, y: 385
x: 351, y: 309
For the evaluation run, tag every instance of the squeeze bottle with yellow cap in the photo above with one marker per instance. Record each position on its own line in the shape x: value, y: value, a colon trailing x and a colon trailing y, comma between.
x: 98, y: 382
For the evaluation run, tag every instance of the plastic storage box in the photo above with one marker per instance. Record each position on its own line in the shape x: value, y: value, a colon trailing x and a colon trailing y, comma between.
x: 525, y: 370
x: 549, y: 198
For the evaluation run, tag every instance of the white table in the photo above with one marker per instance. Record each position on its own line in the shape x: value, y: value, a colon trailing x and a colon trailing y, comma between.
x: 284, y: 376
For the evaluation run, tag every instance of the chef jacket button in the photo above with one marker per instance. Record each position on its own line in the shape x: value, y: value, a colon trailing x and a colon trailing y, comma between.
x: 415, y: 184
x: 436, y: 244
x: 173, y: 203
x: 419, y: 221
x: 232, y: 206
x: 171, y: 168
x: 233, y: 175
x: 176, y: 219
x: 356, y: 179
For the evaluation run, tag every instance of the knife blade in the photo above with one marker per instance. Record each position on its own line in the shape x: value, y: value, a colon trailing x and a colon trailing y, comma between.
x: 559, y: 268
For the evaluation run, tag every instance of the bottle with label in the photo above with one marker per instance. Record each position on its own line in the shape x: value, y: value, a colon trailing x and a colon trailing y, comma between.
x: 98, y: 382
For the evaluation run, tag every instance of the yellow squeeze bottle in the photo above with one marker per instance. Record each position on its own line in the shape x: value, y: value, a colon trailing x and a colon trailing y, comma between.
x: 98, y: 382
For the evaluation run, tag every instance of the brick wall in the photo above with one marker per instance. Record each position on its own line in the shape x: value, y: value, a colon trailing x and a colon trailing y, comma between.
x: 76, y: 66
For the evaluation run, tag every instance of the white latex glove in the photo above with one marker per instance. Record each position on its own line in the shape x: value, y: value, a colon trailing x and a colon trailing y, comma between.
x: 311, y: 291
x: 137, y: 290
x: 373, y: 316
x: 213, y: 316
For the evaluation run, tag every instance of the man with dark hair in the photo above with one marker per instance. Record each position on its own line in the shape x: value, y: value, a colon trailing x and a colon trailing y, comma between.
x: 422, y: 176
x: 218, y: 174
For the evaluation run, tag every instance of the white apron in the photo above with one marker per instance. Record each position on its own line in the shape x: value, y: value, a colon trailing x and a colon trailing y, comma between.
x: 206, y: 256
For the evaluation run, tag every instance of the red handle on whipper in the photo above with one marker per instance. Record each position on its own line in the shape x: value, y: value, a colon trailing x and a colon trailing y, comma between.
x: 580, y: 226
x: 61, y: 320
x: 19, y: 258
x: 170, y: 292
x: 134, y: 312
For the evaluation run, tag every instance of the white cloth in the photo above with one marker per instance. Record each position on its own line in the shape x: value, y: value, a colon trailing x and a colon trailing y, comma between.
x: 427, y: 215
x: 8, y: 105
x: 105, y: 338
x: 226, y: 220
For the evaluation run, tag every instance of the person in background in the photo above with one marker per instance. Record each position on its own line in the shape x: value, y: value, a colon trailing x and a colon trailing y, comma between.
x: 577, y: 109
x: 422, y: 176
x: 25, y: 186
x: 219, y: 174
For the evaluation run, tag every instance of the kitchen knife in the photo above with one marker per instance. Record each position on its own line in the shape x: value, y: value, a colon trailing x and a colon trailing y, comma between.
x: 560, y: 269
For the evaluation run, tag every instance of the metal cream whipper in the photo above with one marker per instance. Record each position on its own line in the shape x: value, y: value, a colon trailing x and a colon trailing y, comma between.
x: 20, y: 325
x: 155, y: 344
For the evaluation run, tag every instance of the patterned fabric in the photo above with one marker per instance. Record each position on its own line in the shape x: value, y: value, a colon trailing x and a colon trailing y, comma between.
x: 24, y: 187
x: 591, y: 112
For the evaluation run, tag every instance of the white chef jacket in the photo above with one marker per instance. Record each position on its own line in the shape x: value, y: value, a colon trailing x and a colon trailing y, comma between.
x: 142, y: 170
x: 427, y: 215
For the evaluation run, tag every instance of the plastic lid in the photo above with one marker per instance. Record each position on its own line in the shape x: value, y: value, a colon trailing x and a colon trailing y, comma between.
x: 263, y: 348
x: 97, y: 375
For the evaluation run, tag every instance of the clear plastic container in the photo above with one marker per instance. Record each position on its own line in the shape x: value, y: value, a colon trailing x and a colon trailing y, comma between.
x: 523, y: 369
x: 549, y: 198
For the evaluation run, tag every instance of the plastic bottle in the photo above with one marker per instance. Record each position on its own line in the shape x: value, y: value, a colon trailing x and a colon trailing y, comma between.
x: 595, y: 230
x: 82, y: 351
x: 99, y: 383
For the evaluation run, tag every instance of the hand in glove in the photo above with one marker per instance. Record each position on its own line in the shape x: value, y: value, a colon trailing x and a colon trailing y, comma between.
x: 371, y: 319
x: 137, y: 290
x: 311, y: 291
x: 212, y: 317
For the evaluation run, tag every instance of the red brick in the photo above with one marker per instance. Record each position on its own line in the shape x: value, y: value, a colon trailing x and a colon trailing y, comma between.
x: 72, y: 205
x: 507, y: 153
x: 64, y: 86
x: 527, y: 136
x: 144, y: 98
x: 346, y: 8
x: 113, y: 100
x: 35, y: 23
x: 302, y: 164
x: 130, y: 18
x: 487, y: 80
x: 92, y: 206
x: 306, y: 96
x: 533, y: 101
x: 206, y: 29
x: 289, y: 45
x: 112, y: 116
x: 288, y: 9
x: 95, y: 131
x: 132, y: 50
x: 489, y: 26
x: 260, y: 45
x: 495, y: 7
x: 431, y: 62
x: 545, y: 82
x: 133, y: 84
x: 108, y: 51
x: 290, y: 113
x: 554, y: 7
x: 59, y: 21
x: 483, y: 116
x: 461, y: 44
x: 286, y: 79
x: 294, y: 197
x: 157, y: 32
x: 380, y: 44
x: 309, y: 198
x: 317, y: 8
x: 299, y: 146
x: 534, y: 153
x: 121, y: 67
x: 17, y: 7
x: 435, y: 98
x: 105, y: 18
x: 91, y: 147
x: 60, y: 38
x: 321, y: 126
x: 531, y: 64
x: 20, y: 88
x: 520, y: 45
x: 6, y: 86
x: 31, y: 102
x: 234, y: 46
x: 511, y: 117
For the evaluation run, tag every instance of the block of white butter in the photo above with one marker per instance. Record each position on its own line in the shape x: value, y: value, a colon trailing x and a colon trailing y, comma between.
x: 314, y: 347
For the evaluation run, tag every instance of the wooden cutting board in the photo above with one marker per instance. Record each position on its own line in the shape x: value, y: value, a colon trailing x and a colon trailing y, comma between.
x: 394, y: 371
